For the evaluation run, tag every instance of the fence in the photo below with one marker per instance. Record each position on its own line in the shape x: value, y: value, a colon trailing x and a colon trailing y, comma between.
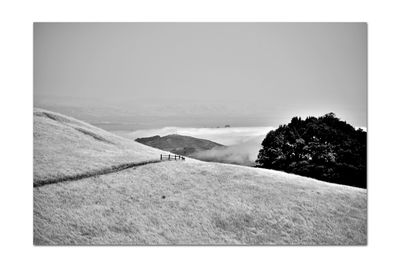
x: 171, y: 157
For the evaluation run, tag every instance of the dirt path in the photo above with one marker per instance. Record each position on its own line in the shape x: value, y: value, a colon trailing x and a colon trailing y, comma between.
x: 109, y: 170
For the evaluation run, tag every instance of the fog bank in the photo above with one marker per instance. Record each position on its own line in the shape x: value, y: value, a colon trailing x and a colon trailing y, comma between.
x: 242, y: 144
x: 226, y: 136
x: 243, y: 153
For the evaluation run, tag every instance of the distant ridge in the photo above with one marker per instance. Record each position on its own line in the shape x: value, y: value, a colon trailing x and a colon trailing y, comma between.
x: 179, y: 144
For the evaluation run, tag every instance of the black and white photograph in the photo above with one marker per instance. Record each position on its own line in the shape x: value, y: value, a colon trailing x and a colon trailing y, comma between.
x: 200, y: 134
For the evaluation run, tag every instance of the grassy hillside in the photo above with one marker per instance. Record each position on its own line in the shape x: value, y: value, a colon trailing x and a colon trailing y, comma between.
x: 178, y: 202
x: 64, y: 146
x: 179, y: 144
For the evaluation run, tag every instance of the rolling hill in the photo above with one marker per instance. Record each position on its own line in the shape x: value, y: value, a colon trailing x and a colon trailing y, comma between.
x: 102, y: 189
x: 179, y: 144
x: 65, y: 147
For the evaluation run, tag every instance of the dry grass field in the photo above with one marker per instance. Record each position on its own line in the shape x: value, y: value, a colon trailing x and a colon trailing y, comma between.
x: 177, y: 202
x: 64, y: 146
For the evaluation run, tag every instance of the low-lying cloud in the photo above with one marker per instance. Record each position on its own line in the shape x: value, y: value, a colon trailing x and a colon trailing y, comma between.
x: 243, y: 153
x: 225, y: 136
x: 242, y: 144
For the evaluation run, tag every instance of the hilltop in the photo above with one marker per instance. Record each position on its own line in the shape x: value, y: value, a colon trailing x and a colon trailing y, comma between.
x: 176, y: 202
x: 179, y: 144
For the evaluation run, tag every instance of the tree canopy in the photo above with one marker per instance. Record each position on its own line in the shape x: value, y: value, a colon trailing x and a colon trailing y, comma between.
x: 325, y: 148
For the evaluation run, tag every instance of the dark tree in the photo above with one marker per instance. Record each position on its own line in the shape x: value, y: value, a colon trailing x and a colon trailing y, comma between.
x: 324, y: 148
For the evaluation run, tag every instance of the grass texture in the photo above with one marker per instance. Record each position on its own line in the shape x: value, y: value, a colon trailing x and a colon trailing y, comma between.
x: 66, y: 147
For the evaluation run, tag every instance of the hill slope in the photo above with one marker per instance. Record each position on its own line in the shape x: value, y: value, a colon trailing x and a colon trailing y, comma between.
x: 178, y: 202
x: 179, y: 144
x: 64, y: 146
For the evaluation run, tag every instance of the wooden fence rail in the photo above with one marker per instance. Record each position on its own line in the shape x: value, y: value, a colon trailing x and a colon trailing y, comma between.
x: 171, y: 157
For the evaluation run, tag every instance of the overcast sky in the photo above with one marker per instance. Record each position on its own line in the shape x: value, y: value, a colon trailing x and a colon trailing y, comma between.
x: 245, y: 74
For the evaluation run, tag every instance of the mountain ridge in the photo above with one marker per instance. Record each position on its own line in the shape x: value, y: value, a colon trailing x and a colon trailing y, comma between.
x: 179, y: 144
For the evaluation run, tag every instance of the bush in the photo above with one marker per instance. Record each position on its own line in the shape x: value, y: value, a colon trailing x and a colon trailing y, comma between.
x: 324, y: 148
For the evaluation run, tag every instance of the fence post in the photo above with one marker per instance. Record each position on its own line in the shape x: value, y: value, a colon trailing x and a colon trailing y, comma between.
x: 169, y: 156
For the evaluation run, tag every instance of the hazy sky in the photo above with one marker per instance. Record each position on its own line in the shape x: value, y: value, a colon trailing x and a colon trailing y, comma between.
x: 203, y: 74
